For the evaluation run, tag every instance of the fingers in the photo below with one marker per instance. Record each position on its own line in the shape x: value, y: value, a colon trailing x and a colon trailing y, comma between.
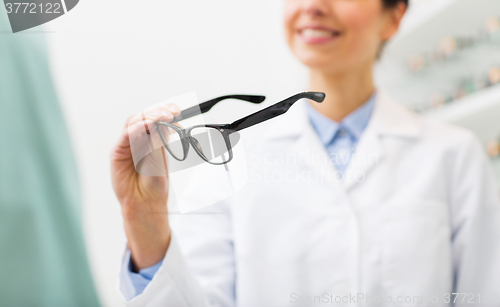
x: 162, y: 113
x: 151, y: 116
x: 156, y: 114
x: 127, y: 121
x: 174, y: 109
x: 135, y: 124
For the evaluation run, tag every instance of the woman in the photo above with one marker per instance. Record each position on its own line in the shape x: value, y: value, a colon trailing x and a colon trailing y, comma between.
x: 413, y: 218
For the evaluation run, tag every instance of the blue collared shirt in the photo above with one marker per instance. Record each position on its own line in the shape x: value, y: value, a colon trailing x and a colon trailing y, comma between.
x: 339, y: 139
x: 141, y: 280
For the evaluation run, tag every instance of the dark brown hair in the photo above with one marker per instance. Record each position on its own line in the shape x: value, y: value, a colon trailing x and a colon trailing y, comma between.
x: 393, y: 3
x: 389, y: 4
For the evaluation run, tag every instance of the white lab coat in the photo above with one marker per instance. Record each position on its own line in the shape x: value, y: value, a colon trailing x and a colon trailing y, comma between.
x: 418, y: 217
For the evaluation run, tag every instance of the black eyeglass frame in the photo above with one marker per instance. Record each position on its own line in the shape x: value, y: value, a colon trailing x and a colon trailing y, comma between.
x: 187, y: 139
x: 227, y: 129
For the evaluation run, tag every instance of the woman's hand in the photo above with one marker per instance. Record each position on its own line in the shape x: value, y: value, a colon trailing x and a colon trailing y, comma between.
x: 143, y: 199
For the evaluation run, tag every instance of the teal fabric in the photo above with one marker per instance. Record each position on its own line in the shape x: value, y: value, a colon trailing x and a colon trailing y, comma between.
x: 42, y: 253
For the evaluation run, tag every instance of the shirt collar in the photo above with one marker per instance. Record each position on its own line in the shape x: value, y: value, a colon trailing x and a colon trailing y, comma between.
x: 355, y: 123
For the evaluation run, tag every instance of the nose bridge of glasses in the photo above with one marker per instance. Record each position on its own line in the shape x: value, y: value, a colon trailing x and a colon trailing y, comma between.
x: 198, y: 147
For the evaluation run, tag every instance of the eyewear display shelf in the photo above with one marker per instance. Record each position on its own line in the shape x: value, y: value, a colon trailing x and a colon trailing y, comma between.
x: 463, y: 76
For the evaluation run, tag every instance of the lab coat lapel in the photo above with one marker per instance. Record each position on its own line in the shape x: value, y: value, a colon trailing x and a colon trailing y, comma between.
x: 368, y: 154
x: 311, y: 155
x: 315, y: 158
x: 388, y: 120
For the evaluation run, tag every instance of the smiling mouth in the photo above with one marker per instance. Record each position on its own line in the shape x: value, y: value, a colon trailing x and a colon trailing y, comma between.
x: 318, y: 35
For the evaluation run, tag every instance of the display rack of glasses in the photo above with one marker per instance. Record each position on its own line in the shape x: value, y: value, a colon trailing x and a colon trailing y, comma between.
x: 420, y: 11
x: 445, y: 64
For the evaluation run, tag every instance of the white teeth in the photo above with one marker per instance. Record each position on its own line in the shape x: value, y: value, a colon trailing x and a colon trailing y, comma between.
x: 315, y: 33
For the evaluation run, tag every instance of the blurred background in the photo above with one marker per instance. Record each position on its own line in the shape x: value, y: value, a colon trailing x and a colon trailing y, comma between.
x: 111, y: 59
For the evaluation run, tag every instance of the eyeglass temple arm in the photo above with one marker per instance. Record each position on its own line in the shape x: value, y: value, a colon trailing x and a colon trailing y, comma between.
x: 204, y: 107
x: 274, y: 110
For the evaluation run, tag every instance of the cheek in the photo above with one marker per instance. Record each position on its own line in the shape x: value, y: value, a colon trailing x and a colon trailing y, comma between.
x: 359, y: 16
x: 290, y: 18
x: 361, y: 21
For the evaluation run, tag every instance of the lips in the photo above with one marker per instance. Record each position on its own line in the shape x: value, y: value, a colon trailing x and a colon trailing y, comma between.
x: 317, y: 35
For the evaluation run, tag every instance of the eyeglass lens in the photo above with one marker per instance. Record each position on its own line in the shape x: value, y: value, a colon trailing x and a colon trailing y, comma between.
x: 210, y: 144
x: 172, y: 140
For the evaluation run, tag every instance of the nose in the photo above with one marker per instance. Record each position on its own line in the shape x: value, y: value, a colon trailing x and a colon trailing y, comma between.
x: 315, y: 8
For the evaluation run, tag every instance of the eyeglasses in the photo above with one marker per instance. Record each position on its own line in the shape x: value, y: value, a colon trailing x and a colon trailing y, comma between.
x: 213, y: 142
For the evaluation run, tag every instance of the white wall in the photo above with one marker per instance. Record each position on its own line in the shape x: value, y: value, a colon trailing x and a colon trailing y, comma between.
x: 113, y: 58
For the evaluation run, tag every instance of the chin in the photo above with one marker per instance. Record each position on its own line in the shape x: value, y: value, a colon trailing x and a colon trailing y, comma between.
x: 318, y: 58
x: 317, y: 61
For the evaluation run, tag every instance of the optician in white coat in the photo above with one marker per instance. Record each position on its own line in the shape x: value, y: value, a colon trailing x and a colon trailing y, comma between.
x: 416, y: 218
x: 420, y: 223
